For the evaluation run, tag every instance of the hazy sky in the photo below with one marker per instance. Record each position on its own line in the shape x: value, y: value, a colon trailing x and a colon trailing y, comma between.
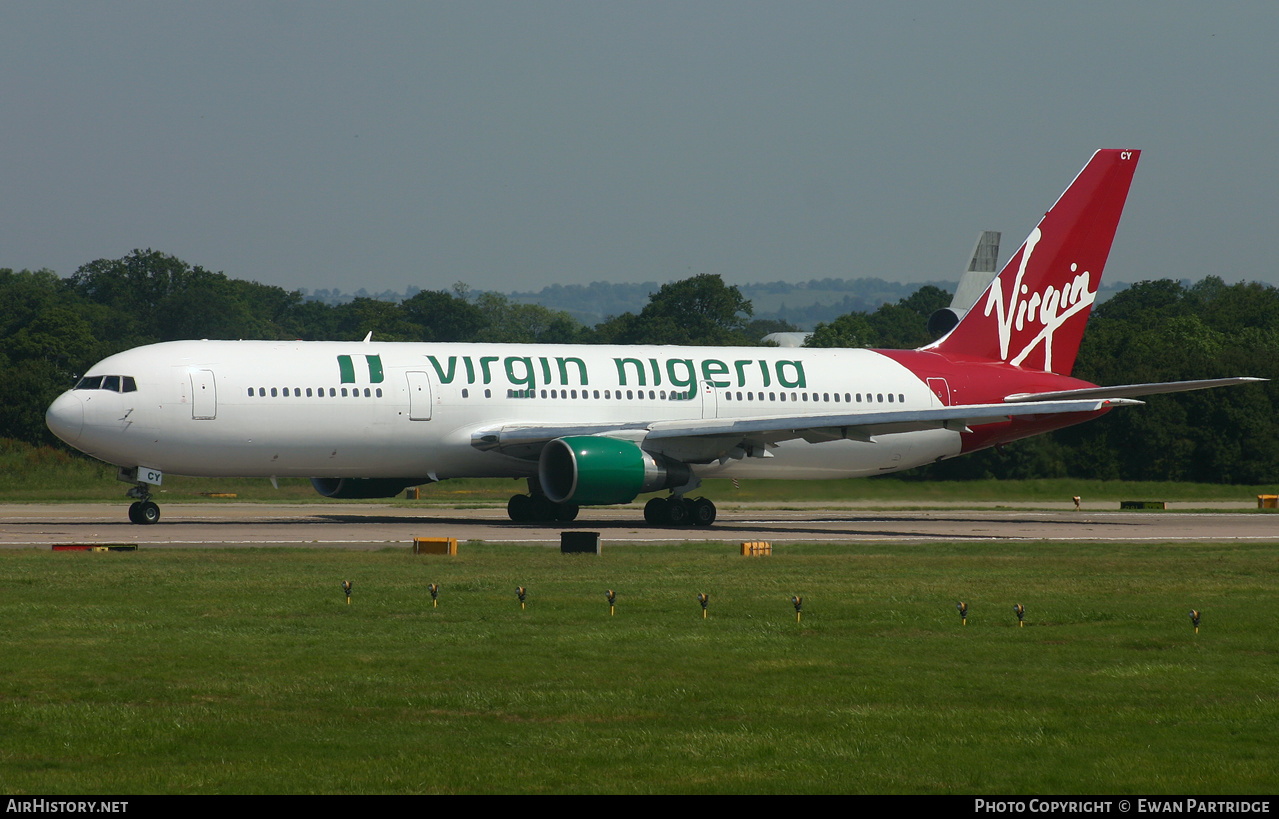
x: 517, y: 145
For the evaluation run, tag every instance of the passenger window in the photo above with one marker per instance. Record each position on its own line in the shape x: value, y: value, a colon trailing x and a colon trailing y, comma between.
x: 379, y: 392
x: 297, y: 392
x: 901, y: 399
x: 367, y: 394
x: 274, y: 392
x: 343, y: 392
x: 890, y: 398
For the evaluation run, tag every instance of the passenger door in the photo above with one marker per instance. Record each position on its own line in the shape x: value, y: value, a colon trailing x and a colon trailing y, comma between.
x: 420, y: 398
x: 204, y: 396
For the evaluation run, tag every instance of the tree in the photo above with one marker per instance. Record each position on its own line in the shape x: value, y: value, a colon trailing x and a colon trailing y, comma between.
x: 701, y: 310
x: 851, y: 330
x: 437, y: 315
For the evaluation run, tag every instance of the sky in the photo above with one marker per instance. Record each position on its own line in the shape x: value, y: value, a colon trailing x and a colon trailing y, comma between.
x: 516, y: 145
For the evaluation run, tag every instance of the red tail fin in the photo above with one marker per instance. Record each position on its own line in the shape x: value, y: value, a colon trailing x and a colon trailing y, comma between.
x: 1034, y: 312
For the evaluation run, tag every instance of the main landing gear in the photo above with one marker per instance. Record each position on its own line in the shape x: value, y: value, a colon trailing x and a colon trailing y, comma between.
x: 679, y: 512
x: 143, y: 510
x: 539, y: 509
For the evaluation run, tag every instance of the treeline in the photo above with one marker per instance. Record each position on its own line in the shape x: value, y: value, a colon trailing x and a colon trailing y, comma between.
x: 53, y: 329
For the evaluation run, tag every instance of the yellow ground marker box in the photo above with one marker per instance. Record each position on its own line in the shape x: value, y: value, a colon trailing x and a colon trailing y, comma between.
x: 756, y: 548
x: 434, y: 545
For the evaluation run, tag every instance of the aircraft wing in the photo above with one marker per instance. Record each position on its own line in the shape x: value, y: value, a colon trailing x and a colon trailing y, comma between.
x: 1129, y: 390
x: 703, y: 440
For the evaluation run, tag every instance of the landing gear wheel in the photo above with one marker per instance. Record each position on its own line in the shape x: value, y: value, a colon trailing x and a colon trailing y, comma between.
x: 543, y: 509
x: 655, y: 511
x: 520, y: 508
x: 703, y: 513
x: 677, y: 512
x: 565, y: 512
x: 133, y: 512
x: 148, y: 513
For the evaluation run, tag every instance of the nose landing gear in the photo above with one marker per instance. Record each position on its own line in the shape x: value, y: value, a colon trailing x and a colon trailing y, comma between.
x: 143, y: 510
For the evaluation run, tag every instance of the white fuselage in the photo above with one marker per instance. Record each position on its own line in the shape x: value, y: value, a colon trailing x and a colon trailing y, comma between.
x: 409, y: 410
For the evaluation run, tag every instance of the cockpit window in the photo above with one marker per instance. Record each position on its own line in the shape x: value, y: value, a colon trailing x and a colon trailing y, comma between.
x: 114, y: 383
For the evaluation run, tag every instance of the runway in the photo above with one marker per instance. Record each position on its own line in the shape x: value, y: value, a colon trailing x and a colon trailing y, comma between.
x: 374, y: 526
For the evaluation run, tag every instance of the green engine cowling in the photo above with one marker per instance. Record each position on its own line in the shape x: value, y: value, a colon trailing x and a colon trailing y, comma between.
x: 592, y: 470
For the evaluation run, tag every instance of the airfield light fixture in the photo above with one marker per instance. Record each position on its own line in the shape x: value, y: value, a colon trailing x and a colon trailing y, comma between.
x: 1020, y: 611
x: 346, y: 587
x: 963, y: 612
x: 703, y: 599
x: 612, y: 600
x: 519, y: 592
x: 799, y: 605
x: 1194, y: 618
x: 434, y: 588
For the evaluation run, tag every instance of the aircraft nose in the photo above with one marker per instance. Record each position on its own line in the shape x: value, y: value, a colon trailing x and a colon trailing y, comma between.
x: 65, y: 417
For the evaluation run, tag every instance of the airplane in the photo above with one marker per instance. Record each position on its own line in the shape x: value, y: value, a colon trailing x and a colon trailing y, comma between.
x: 589, y: 425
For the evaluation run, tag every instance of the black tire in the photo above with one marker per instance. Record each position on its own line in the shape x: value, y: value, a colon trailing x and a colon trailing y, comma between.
x: 566, y: 512
x: 148, y: 513
x: 655, y: 511
x: 520, y: 508
x: 543, y: 509
x: 703, y: 512
x: 677, y: 512
x: 134, y: 517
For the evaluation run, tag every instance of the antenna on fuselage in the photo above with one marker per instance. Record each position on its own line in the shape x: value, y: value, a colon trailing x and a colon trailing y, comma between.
x: 369, y: 337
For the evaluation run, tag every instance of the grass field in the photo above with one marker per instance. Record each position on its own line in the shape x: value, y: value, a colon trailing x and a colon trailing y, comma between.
x: 244, y: 671
x: 45, y: 474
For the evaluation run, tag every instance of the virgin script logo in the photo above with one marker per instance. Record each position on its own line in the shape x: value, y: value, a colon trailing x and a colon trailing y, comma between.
x: 1050, y: 309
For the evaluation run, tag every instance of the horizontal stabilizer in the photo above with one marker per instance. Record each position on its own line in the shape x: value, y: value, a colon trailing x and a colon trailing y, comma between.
x: 1130, y: 390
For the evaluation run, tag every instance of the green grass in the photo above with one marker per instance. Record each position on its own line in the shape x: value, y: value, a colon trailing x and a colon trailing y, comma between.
x: 46, y: 474
x: 244, y: 671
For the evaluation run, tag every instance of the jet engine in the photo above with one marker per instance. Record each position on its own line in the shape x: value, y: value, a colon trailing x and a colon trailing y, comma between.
x: 591, y: 470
